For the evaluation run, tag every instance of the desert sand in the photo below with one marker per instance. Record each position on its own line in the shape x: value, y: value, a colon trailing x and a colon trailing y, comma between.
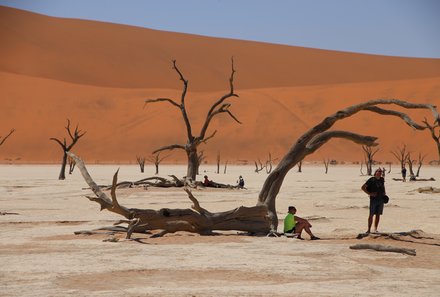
x: 41, y: 255
x: 99, y: 74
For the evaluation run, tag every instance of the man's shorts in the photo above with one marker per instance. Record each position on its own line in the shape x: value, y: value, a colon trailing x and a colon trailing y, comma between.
x: 376, y: 206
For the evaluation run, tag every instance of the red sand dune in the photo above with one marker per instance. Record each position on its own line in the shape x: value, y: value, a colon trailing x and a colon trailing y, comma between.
x: 98, y: 75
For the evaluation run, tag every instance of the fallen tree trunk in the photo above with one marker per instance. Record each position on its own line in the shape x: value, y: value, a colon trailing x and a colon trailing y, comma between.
x: 196, y: 220
x: 383, y: 248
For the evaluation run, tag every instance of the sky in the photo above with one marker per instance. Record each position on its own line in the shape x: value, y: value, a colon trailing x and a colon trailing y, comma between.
x: 408, y: 28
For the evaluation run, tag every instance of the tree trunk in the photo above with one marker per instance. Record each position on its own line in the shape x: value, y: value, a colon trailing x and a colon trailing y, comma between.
x: 193, y: 163
x: 63, y: 167
x: 273, y: 183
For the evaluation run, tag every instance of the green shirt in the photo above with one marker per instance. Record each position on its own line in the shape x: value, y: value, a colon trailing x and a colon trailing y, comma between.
x: 289, y: 222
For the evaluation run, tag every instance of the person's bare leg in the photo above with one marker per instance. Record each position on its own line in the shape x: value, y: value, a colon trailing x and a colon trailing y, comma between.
x: 370, y: 222
x: 376, y: 222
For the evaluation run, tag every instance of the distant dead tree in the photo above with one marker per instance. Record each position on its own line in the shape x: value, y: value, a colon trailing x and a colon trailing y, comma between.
x: 258, y: 166
x: 401, y: 155
x: 420, y: 163
x: 410, y: 163
x: 435, y: 133
x: 226, y: 166
x: 261, y: 218
x: 72, y: 164
x: 326, y: 163
x: 300, y: 166
x: 141, y: 162
x: 218, y: 163
x: 156, y: 160
x: 369, y: 153
x: 74, y: 137
x: 194, y: 141
x: 269, y: 164
x: 200, y: 158
x: 3, y: 139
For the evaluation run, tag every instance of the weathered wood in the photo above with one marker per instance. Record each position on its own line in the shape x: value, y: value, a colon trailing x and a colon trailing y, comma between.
x: 428, y: 190
x: 196, y: 220
x: 383, y: 248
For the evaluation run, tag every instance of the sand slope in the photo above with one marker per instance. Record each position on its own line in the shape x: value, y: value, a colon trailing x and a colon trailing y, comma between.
x: 98, y: 74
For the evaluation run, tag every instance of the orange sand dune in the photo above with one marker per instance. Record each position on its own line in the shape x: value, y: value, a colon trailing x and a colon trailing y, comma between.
x: 98, y: 74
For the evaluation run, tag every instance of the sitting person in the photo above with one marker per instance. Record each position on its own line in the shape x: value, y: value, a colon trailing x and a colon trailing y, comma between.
x: 295, y: 224
x: 207, y: 182
x: 240, y: 182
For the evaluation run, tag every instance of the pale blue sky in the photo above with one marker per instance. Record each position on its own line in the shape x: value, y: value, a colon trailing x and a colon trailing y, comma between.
x: 408, y: 28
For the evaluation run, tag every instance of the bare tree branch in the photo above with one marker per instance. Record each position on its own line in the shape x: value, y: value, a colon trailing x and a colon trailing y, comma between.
x: 401, y: 115
x: 148, y: 101
x: 6, y: 137
x: 322, y: 138
x: 101, y: 197
x: 169, y: 147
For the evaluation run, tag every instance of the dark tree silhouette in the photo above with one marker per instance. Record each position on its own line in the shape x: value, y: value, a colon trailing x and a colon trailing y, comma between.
x: 71, y: 164
x: 326, y: 163
x: 74, y: 137
x: 156, y: 160
x: 401, y: 155
x: 141, y: 162
x: 420, y: 163
x: 369, y: 155
x: 220, y: 106
x: 300, y: 163
x: 261, y: 218
x: 3, y: 139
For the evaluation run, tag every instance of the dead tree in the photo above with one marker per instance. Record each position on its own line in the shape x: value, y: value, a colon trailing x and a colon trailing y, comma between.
x: 74, y: 137
x: 269, y: 164
x: 3, y: 139
x: 261, y: 218
x: 435, y: 133
x: 420, y: 163
x: 410, y: 163
x: 326, y: 163
x: 218, y: 163
x: 72, y: 164
x: 226, y: 166
x: 369, y: 158
x: 258, y: 166
x: 141, y: 162
x: 401, y: 155
x: 300, y: 166
x: 156, y: 160
x: 200, y: 158
x: 220, y: 106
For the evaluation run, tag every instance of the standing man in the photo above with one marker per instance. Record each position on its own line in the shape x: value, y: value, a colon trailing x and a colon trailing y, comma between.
x: 375, y: 188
